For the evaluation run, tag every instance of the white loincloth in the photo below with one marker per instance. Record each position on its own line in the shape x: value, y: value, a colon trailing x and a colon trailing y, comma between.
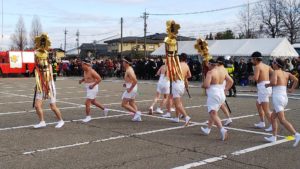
x: 279, y: 98
x: 215, y: 97
x: 263, y: 92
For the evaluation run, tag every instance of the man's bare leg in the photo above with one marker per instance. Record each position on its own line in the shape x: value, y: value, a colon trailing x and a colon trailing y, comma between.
x: 226, y: 113
x: 261, y: 113
x: 129, y: 105
x: 215, y: 119
x: 168, y: 105
x: 39, y: 110
x: 286, y: 124
x: 157, y: 96
x: 57, y: 112
x: 266, y: 109
x: 180, y: 110
x: 99, y: 105
x: 88, y: 117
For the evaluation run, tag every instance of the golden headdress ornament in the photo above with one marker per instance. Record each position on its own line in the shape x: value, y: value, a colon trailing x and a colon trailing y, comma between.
x: 202, y: 47
x: 42, y: 42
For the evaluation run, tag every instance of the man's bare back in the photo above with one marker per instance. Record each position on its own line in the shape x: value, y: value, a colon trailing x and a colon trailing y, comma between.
x: 129, y: 76
x: 262, y: 72
x: 186, y: 73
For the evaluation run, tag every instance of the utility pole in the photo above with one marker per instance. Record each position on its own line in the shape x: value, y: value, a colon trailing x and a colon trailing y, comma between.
x: 145, y: 17
x: 77, y: 39
x: 248, y: 19
x: 121, y: 36
x: 65, y: 39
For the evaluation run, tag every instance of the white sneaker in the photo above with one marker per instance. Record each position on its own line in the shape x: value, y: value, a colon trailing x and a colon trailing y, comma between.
x: 228, y: 122
x: 40, y: 125
x: 175, y: 120
x: 260, y: 125
x: 206, y: 130
x: 151, y: 111
x: 159, y: 111
x: 137, y: 117
x: 269, y: 129
x: 187, y: 120
x: 87, y: 119
x: 297, y: 139
x: 105, y: 111
x: 167, y: 115
x: 60, y: 124
x: 173, y: 109
x: 271, y: 139
x: 224, y: 134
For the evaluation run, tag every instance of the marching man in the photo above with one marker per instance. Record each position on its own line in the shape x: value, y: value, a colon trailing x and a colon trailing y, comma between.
x: 279, y: 81
x: 214, y: 85
x: 91, y: 79
x: 128, y: 97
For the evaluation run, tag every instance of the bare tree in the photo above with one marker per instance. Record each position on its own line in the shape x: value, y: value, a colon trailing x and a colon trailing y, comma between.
x: 270, y: 15
x: 19, y: 38
x: 36, y: 29
x: 291, y: 19
x: 248, y: 23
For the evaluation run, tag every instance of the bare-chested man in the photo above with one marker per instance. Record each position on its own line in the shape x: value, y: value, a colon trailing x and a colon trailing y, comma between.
x: 163, y: 88
x: 279, y: 81
x: 262, y: 74
x: 214, y: 85
x: 91, y: 79
x: 39, y: 103
x: 178, y: 88
x: 220, y: 65
x: 128, y: 98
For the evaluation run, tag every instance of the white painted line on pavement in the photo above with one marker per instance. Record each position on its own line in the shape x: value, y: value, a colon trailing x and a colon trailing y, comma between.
x: 236, y: 153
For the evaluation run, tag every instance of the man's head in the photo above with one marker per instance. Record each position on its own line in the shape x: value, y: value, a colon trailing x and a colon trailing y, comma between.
x: 85, y: 63
x: 212, y: 64
x: 278, y: 64
x: 220, y: 60
x: 183, y: 57
x: 256, y: 58
x: 126, y: 61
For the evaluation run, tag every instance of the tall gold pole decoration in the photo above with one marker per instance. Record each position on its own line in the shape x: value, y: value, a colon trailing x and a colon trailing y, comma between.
x: 174, y: 70
x: 202, y: 47
x: 43, y: 75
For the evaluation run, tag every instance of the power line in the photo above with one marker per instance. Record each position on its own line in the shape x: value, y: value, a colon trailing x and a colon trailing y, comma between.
x: 208, y: 11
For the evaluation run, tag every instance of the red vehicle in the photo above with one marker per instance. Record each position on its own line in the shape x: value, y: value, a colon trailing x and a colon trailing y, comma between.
x: 16, y: 62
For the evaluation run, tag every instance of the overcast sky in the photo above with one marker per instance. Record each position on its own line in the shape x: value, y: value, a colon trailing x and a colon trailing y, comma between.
x: 100, y: 19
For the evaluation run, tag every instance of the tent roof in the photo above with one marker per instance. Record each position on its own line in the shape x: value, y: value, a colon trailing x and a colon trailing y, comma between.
x: 279, y: 47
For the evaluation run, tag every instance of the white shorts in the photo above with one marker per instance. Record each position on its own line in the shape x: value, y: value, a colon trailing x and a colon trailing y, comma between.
x: 263, y: 92
x: 163, y: 88
x: 130, y: 95
x: 178, y: 88
x: 279, y: 98
x: 91, y: 93
x: 39, y: 96
x: 215, y: 97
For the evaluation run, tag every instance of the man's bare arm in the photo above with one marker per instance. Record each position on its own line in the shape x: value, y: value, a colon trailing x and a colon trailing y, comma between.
x: 132, y: 76
x: 295, y: 82
x: 207, y: 80
x: 229, y: 82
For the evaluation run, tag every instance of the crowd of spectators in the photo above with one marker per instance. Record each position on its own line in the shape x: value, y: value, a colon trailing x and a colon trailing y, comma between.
x: 146, y: 68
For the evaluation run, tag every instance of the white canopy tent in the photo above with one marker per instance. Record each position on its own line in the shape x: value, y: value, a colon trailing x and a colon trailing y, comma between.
x: 273, y: 48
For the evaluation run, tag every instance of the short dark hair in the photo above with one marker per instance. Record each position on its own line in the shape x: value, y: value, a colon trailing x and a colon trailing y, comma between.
x: 127, y: 59
x: 257, y: 55
x: 221, y: 60
x: 183, y: 57
x: 212, y: 61
x: 280, y: 63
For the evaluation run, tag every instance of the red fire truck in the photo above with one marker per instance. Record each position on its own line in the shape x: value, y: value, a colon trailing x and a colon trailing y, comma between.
x: 16, y: 62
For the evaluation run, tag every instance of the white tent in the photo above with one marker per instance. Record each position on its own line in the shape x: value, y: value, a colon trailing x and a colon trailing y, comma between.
x: 279, y: 47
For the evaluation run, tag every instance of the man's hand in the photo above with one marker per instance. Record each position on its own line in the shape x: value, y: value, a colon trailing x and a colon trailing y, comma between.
x: 91, y: 86
x: 80, y: 81
x: 291, y: 90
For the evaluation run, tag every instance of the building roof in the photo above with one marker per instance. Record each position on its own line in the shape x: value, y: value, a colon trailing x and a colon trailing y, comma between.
x: 92, y: 46
x: 152, y: 39
x: 279, y: 47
